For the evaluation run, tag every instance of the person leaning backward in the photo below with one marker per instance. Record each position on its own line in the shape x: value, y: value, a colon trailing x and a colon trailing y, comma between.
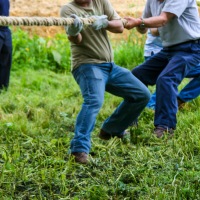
x: 179, y: 28
x: 95, y: 72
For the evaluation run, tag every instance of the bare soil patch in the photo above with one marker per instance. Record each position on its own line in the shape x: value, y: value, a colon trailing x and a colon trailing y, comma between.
x: 47, y: 8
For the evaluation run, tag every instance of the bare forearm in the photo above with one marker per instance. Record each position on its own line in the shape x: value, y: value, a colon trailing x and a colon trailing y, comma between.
x: 151, y: 22
x: 115, y: 26
x: 155, y: 22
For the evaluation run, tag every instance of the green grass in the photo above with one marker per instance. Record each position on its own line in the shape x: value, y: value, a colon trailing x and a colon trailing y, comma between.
x: 37, y: 116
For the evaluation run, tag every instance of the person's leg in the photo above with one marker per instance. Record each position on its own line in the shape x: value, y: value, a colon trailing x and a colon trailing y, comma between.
x: 149, y: 71
x: 166, y: 85
x: 188, y: 93
x: 5, y: 58
x: 91, y: 80
x: 152, y: 102
x: 136, y: 95
x: 181, y: 62
x: 192, y: 89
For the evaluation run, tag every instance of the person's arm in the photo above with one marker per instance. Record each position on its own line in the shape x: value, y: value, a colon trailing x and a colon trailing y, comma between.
x: 151, y: 22
x: 159, y: 21
x: 74, y: 30
x: 115, y: 26
x: 102, y: 22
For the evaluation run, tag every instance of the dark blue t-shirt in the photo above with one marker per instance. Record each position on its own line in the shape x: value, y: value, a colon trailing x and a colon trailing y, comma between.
x: 4, y: 10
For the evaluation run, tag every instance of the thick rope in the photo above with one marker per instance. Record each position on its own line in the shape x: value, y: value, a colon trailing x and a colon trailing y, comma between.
x: 43, y: 21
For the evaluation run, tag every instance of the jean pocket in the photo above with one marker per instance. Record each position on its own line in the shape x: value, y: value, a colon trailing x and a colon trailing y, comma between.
x: 91, y: 71
x: 97, y: 74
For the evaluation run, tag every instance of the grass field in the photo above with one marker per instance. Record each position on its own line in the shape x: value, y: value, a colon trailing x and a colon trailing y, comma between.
x: 37, y: 117
x: 38, y: 113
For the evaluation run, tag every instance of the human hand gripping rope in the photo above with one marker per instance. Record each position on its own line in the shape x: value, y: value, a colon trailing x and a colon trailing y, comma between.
x: 75, y: 28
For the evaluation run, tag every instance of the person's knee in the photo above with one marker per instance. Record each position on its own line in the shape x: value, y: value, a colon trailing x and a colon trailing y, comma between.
x: 136, y: 72
x: 143, y: 95
x: 161, y: 82
x: 95, y: 102
x: 140, y: 74
x: 146, y: 95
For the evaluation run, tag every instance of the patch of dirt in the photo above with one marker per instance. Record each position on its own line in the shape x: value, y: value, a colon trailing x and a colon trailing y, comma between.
x: 51, y: 8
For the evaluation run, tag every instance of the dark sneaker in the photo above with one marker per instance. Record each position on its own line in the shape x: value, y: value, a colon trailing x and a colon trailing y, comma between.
x: 106, y: 136
x: 160, y: 131
x: 80, y: 157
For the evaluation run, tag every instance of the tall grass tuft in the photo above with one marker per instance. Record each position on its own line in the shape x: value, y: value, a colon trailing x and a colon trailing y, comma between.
x: 128, y: 53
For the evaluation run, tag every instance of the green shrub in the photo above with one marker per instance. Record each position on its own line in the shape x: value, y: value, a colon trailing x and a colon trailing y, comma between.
x: 36, y: 52
x: 54, y: 53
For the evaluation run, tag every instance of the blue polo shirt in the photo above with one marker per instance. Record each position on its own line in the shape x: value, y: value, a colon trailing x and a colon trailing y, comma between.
x: 4, y: 11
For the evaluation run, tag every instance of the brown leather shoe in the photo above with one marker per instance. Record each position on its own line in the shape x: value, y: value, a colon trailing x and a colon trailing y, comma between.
x: 106, y: 136
x: 160, y: 131
x: 80, y: 157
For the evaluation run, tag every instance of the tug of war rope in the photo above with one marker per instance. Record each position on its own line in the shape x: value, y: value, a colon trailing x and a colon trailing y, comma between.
x: 43, y: 21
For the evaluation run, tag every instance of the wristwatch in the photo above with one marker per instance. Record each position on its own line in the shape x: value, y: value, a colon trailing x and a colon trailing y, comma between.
x: 142, y: 25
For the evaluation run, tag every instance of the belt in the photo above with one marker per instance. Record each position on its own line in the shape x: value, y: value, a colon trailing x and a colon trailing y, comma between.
x: 197, y: 41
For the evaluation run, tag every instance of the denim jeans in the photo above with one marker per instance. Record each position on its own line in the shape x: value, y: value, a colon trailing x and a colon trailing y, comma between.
x: 188, y: 93
x: 94, y: 80
x: 5, y: 58
x: 167, y: 69
x: 192, y: 89
x: 152, y: 102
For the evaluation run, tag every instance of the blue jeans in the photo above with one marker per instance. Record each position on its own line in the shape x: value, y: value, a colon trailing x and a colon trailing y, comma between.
x: 94, y: 80
x: 5, y: 58
x: 167, y: 69
x: 192, y: 89
x: 152, y: 102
